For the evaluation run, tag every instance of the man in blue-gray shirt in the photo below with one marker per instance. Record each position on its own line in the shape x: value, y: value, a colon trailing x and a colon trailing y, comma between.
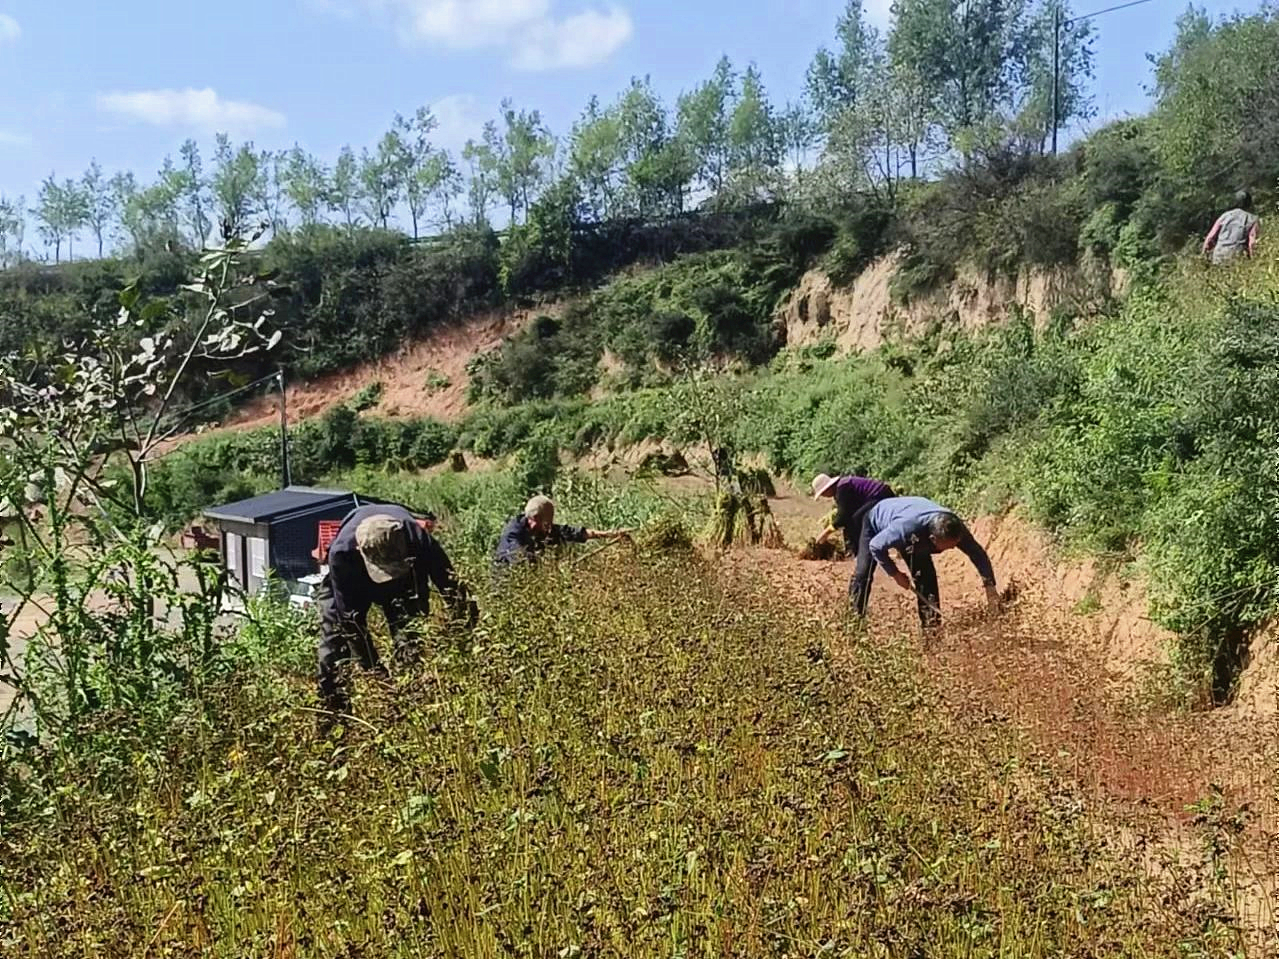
x: 916, y: 528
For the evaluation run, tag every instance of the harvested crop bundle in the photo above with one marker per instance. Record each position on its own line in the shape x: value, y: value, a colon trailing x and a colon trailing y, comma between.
x: 723, y: 520
x: 743, y: 519
x: 813, y: 550
x: 756, y: 480
x: 666, y: 534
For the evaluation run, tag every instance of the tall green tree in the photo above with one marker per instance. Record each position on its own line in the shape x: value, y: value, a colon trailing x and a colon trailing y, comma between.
x: 162, y: 203
x: 442, y: 182
x: 1217, y: 103
x: 75, y: 211
x: 483, y: 180
x: 799, y: 132
x: 12, y: 220
x: 99, y: 203
x: 856, y: 109
x: 1030, y: 111
x: 124, y: 197
x: 704, y: 116
x: 754, y: 140
x: 236, y: 185
x: 523, y: 151
x: 656, y: 170
x: 344, y: 187
x: 595, y: 159
x: 838, y: 79
x: 195, y: 199
x: 383, y: 175
x: 306, y: 184
x: 413, y: 135
x: 271, y: 190
x: 967, y: 53
x: 916, y: 131
x: 60, y: 213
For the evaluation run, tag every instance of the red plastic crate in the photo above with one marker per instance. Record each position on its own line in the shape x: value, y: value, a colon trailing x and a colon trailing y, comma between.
x: 328, y: 532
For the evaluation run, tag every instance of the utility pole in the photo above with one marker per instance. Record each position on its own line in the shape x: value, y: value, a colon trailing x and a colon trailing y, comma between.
x: 1056, y: 71
x: 286, y: 472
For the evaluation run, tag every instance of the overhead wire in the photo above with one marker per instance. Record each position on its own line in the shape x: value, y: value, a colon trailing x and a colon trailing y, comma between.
x: 182, y: 415
x: 1097, y: 13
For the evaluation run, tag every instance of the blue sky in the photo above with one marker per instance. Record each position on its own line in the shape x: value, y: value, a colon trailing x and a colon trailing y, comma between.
x: 127, y: 81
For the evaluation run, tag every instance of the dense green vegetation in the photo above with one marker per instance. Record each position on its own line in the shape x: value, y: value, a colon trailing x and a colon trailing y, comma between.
x: 630, y: 757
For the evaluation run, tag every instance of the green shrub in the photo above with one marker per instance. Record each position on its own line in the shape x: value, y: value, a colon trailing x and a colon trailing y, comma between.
x: 367, y: 397
x: 917, y: 276
x: 864, y: 233
x: 537, y: 464
x: 230, y: 466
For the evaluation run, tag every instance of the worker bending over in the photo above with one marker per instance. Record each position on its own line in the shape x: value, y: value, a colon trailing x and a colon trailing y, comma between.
x: 854, y: 497
x: 527, y: 536
x: 917, y: 528
x: 381, y: 555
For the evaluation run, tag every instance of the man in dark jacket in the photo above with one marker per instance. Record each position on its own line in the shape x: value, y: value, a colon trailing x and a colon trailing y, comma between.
x: 381, y: 555
x: 527, y: 536
x: 917, y: 528
x: 854, y: 496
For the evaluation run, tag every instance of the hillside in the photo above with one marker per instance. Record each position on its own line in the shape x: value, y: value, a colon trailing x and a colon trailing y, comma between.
x: 673, y: 739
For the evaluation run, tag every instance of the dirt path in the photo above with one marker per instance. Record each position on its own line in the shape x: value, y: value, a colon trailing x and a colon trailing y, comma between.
x: 1074, y: 683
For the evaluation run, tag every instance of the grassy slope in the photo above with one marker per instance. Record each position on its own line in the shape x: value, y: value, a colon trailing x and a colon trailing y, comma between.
x: 634, y: 759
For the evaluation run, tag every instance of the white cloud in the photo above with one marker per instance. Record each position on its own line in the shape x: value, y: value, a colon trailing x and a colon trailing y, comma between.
x: 581, y: 40
x: 459, y: 118
x: 467, y: 24
x: 531, y: 32
x: 9, y: 29
x: 11, y: 138
x: 202, y: 110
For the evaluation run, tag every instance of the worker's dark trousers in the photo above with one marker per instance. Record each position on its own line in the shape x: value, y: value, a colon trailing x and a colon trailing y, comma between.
x: 340, y: 636
x: 853, y: 529
x: 923, y: 574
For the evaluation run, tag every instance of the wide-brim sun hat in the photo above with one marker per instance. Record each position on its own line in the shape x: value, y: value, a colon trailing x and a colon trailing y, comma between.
x: 823, y: 484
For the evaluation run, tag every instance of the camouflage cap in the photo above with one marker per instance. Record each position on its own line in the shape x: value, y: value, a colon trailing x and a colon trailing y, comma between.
x: 384, y: 543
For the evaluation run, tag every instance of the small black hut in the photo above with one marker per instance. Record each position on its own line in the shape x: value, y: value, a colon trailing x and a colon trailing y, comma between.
x: 276, y: 533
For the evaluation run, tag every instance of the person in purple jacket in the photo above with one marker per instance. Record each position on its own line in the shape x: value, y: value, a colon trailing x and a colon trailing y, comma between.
x: 854, y: 496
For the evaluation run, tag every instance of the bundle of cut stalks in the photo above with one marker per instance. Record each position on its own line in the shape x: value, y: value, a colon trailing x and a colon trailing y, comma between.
x: 744, y: 519
x: 723, y: 520
x: 666, y: 534
x: 756, y: 480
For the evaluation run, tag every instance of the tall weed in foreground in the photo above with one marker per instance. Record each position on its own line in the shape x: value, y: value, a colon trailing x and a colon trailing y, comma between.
x: 111, y: 621
x: 630, y: 758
